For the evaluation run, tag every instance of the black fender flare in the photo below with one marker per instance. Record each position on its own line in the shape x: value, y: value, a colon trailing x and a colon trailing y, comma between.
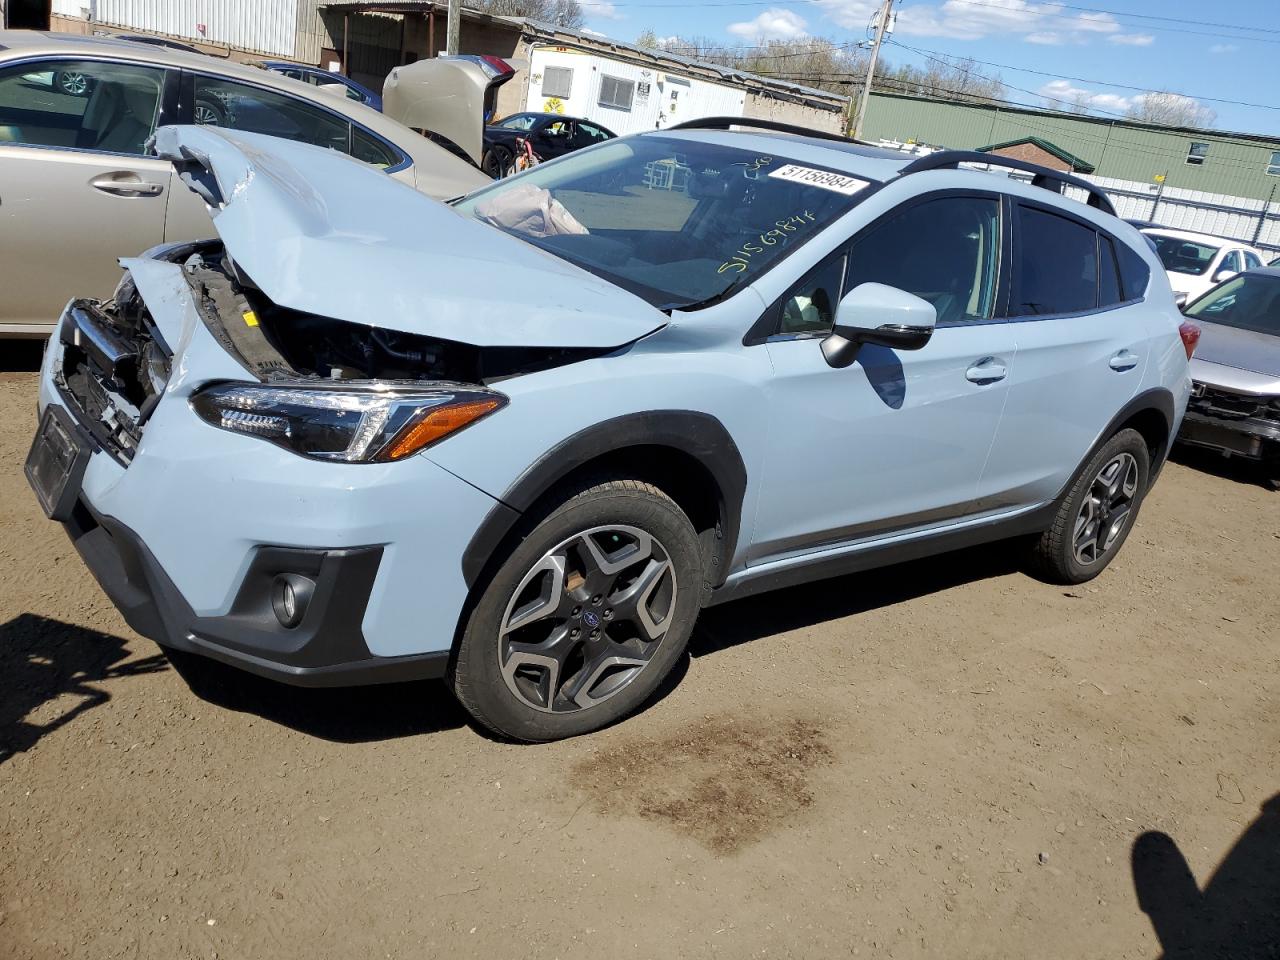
x: 699, y: 435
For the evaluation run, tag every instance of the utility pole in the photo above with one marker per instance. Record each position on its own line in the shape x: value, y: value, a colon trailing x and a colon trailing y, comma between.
x: 453, y: 28
x: 882, y: 25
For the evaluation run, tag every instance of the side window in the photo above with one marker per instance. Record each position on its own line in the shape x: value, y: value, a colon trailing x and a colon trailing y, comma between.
x: 82, y: 105
x: 1134, y: 272
x: 1251, y: 261
x: 366, y: 147
x: 1232, y: 262
x: 810, y: 306
x: 946, y: 251
x: 1108, y: 273
x: 1055, y: 265
x: 557, y: 82
x: 616, y: 92
x: 239, y: 106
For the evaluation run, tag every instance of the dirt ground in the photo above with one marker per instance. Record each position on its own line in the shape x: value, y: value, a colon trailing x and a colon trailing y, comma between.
x: 945, y: 758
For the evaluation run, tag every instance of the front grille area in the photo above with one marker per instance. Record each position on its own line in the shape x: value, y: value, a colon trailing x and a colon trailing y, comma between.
x: 112, y: 373
x: 1225, y: 405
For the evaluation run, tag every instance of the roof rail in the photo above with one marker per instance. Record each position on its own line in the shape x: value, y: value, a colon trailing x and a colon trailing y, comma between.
x: 1045, y: 177
x: 724, y: 123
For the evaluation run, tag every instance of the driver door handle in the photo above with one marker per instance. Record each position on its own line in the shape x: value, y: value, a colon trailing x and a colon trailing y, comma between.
x: 986, y: 370
x: 123, y: 183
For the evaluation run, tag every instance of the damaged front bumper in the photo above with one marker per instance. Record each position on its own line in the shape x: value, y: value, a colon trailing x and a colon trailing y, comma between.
x: 191, y: 530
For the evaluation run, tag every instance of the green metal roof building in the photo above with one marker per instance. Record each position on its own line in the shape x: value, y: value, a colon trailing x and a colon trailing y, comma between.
x: 1213, y: 161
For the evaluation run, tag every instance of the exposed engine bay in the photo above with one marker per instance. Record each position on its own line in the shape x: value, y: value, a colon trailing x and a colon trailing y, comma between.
x: 276, y: 342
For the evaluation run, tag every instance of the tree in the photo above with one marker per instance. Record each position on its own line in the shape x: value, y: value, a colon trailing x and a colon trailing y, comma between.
x: 1171, y: 109
x: 561, y: 13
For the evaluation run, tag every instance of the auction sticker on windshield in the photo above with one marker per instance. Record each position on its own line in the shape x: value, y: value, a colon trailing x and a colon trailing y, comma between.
x: 821, y: 178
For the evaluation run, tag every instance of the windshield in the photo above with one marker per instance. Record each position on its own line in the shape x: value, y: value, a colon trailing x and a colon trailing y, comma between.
x: 1183, y: 256
x: 677, y: 222
x: 1250, y: 302
x: 521, y: 121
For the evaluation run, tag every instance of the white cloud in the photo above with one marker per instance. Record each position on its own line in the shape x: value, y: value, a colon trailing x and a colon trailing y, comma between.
x: 603, y: 9
x: 1223, y: 48
x: 1062, y: 95
x: 965, y: 20
x: 774, y: 24
x: 1132, y: 39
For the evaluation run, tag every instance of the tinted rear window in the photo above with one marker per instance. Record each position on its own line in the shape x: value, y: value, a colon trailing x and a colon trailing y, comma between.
x: 1134, y: 272
x: 1056, y: 265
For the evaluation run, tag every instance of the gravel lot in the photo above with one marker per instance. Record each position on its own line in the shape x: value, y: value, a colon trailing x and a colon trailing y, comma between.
x: 945, y: 758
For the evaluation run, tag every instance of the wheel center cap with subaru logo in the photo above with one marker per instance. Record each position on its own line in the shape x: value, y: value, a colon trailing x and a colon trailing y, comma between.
x: 591, y: 619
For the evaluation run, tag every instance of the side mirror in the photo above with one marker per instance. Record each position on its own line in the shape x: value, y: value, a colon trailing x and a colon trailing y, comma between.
x: 1223, y: 274
x: 1179, y: 300
x: 879, y: 314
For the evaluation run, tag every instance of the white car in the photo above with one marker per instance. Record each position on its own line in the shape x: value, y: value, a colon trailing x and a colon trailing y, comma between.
x: 1196, y: 262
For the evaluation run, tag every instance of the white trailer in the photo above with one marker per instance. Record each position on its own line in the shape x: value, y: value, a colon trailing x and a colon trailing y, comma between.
x: 623, y: 97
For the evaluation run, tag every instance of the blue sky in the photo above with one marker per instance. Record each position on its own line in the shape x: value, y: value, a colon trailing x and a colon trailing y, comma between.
x: 1077, y: 48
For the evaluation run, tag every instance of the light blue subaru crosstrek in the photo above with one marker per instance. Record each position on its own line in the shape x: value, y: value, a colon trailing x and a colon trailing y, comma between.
x: 520, y: 441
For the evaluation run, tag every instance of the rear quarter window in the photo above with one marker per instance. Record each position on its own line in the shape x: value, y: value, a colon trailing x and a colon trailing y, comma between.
x: 1134, y: 272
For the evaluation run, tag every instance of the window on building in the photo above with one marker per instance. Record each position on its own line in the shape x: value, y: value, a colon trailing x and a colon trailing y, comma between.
x: 1196, y: 153
x: 616, y: 92
x: 1055, y: 265
x: 557, y: 82
x: 1273, y: 168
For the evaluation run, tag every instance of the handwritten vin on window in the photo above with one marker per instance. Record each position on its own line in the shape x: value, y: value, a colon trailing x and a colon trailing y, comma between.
x: 780, y: 233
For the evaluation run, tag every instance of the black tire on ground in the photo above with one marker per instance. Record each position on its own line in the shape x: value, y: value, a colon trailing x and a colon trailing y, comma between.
x: 1055, y: 556
x: 477, y: 674
x: 495, y: 161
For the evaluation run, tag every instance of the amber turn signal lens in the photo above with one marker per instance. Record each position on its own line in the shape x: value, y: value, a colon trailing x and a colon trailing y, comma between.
x: 439, y: 423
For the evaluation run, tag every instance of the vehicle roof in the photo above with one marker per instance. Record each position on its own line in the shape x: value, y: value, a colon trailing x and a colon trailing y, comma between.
x: 28, y: 43
x: 871, y: 162
x: 1207, y: 238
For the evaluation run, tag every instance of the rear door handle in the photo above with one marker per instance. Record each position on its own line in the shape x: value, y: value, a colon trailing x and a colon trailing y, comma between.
x: 124, y: 183
x: 986, y: 370
x: 1124, y: 360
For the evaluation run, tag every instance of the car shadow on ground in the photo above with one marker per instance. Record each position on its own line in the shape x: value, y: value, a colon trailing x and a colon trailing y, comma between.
x: 340, y: 714
x: 48, y: 676
x: 802, y: 606
x: 1236, y: 469
x: 1235, y: 915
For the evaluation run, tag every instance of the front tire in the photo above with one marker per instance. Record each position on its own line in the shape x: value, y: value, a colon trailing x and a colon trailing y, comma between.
x: 585, y: 618
x: 1094, y: 518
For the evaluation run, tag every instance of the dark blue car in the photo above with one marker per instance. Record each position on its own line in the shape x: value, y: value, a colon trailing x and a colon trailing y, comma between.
x: 317, y: 77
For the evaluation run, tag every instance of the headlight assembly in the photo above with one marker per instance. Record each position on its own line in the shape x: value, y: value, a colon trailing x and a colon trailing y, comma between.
x: 347, y: 424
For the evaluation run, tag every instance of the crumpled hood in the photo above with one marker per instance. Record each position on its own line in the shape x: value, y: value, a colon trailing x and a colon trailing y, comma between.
x: 1242, y: 349
x: 322, y: 233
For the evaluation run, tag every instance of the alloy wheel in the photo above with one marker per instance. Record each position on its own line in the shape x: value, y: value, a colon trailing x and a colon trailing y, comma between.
x: 1107, y: 508
x: 205, y: 114
x: 76, y: 84
x: 587, y: 618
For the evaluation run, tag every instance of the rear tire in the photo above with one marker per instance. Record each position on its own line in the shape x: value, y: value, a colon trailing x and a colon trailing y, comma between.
x: 586, y: 617
x: 1095, y: 517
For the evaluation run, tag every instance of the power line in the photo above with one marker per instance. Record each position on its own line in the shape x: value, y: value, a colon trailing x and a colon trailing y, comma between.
x: 1105, y: 83
x: 1122, y: 13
